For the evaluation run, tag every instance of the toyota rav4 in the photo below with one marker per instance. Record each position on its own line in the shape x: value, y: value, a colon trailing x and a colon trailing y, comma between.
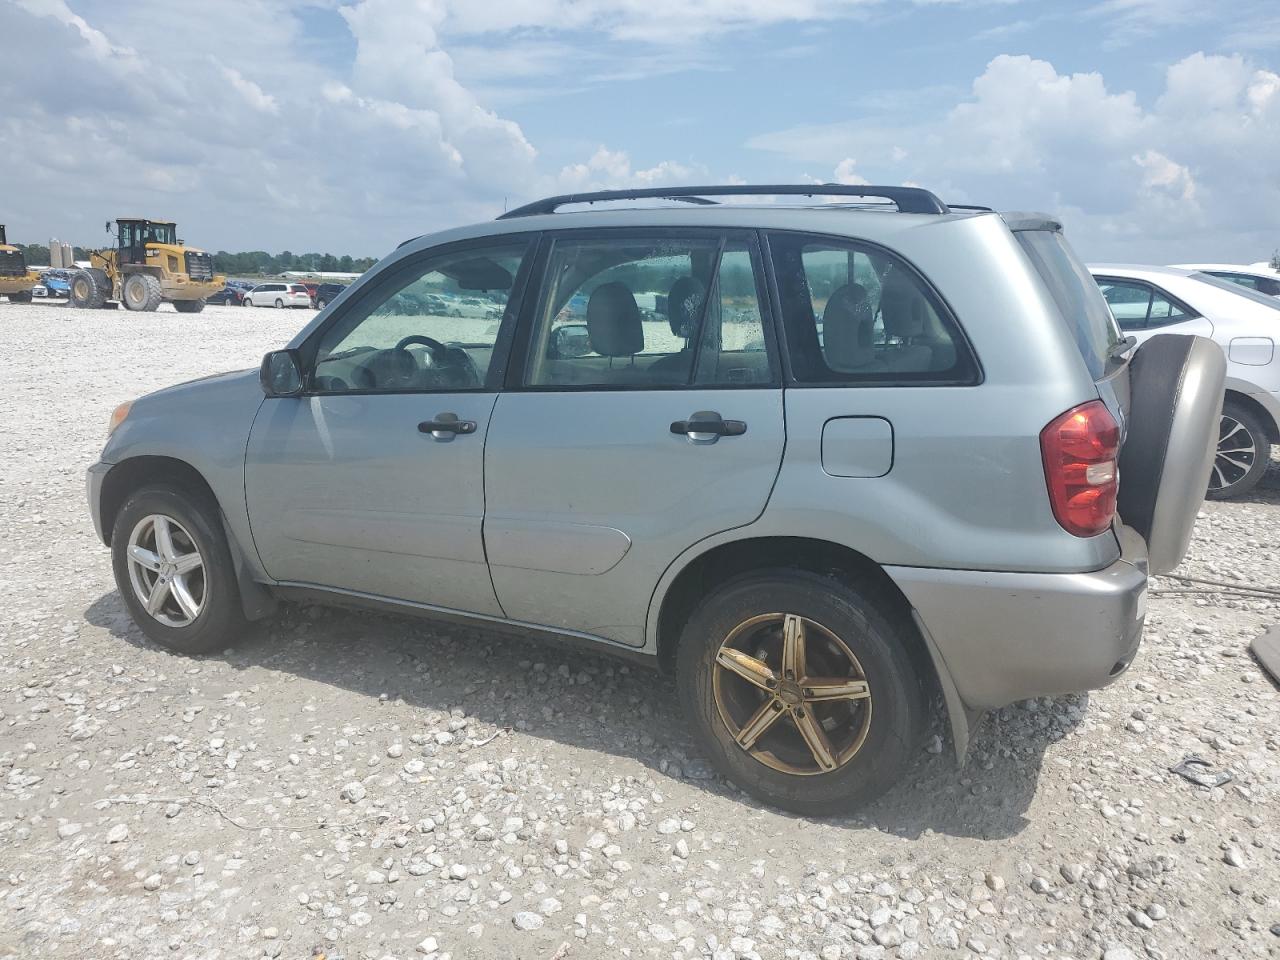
x: 834, y: 465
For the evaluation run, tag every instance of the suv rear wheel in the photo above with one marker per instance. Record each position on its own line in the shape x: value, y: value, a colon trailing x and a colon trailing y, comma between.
x: 1242, y: 453
x: 174, y: 570
x: 800, y: 689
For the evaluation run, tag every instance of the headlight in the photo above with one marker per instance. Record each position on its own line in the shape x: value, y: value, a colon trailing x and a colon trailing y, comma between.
x: 118, y: 416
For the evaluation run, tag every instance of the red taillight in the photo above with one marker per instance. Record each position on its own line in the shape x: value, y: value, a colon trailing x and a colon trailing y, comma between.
x: 1080, y: 449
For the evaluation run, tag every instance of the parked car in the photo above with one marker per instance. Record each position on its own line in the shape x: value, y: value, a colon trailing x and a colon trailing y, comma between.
x: 1264, y: 281
x: 57, y: 283
x: 1244, y: 323
x: 929, y: 517
x: 228, y: 295
x: 278, y: 295
x: 326, y: 293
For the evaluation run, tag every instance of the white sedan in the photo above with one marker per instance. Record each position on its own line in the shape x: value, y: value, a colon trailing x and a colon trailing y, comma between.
x: 1255, y: 278
x: 1149, y: 300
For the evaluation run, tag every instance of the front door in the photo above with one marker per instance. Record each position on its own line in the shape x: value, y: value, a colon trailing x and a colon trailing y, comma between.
x: 643, y: 414
x: 373, y: 480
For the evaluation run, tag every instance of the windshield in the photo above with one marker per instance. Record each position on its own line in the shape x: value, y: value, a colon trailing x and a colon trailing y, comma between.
x: 1076, y: 294
x: 1242, y: 291
x: 160, y: 233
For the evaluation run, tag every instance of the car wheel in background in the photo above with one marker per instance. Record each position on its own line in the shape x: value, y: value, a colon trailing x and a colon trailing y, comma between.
x: 321, y: 304
x: 174, y: 570
x: 800, y: 688
x: 1242, y: 454
x: 279, y: 303
x: 22, y: 296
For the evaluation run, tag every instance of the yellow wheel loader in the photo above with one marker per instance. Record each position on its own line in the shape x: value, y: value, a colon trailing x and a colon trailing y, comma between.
x: 16, y: 280
x: 148, y: 265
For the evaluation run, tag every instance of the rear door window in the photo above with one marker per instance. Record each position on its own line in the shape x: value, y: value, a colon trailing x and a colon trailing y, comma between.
x: 1140, y: 306
x: 1076, y: 293
x: 854, y: 313
x: 1130, y: 302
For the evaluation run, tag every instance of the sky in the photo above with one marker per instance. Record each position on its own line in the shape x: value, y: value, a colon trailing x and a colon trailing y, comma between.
x: 1150, y: 127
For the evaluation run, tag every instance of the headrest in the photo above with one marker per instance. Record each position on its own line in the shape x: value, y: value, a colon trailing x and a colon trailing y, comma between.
x: 847, y: 328
x: 684, y: 305
x: 613, y: 321
x: 902, y: 307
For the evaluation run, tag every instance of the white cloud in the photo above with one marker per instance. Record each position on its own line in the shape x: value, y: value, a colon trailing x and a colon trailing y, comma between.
x: 252, y: 93
x: 611, y: 169
x: 1160, y: 174
x: 1194, y: 172
x: 845, y: 173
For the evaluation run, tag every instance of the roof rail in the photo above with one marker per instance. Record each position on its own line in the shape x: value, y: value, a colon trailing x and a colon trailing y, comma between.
x: 908, y: 199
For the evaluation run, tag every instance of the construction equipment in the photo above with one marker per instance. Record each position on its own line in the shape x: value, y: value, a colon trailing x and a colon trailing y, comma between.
x: 148, y: 264
x: 16, y: 280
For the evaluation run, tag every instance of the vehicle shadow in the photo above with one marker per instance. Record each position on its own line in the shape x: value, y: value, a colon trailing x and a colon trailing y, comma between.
x: 1268, y: 489
x: 601, y: 704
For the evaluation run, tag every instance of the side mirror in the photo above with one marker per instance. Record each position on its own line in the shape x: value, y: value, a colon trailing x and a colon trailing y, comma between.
x: 570, y: 342
x: 281, y: 373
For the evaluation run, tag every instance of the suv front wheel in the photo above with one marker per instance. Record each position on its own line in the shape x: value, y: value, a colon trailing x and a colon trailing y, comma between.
x: 801, y: 689
x: 174, y: 570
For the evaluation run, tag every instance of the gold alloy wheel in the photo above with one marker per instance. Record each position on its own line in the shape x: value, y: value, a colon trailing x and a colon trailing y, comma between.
x: 791, y: 694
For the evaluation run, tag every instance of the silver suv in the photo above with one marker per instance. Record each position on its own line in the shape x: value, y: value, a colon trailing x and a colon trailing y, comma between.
x: 837, y: 466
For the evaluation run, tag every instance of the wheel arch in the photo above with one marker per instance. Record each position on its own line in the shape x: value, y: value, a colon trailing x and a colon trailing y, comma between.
x: 1252, y: 403
x: 151, y: 470
x: 725, y: 560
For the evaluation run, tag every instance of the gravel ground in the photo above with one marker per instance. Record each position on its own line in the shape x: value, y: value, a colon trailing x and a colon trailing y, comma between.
x: 366, y: 787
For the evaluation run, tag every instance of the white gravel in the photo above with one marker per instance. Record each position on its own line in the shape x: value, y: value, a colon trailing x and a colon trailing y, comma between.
x: 366, y: 787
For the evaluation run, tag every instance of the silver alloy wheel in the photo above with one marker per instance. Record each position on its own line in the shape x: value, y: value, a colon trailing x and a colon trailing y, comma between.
x: 1234, y: 458
x: 167, y: 571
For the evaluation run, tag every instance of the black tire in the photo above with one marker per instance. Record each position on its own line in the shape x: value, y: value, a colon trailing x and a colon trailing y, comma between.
x: 321, y: 304
x: 90, y: 289
x: 1242, y: 453
x: 188, y: 306
x: 22, y: 296
x: 279, y: 303
x: 866, y: 622
x: 141, y: 293
x: 221, y: 621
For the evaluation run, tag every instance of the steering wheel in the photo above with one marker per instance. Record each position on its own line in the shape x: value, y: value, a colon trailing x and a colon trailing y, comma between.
x: 438, y: 350
x: 454, y: 363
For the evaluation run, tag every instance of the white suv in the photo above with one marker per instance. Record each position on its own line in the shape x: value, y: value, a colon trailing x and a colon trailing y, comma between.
x: 1244, y: 322
x: 278, y: 295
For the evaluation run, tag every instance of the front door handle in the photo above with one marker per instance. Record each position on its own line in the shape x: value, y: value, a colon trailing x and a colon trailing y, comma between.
x: 707, y: 426
x: 446, y: 426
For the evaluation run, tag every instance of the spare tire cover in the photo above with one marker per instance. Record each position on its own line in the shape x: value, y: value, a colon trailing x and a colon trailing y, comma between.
x: 1176, y: 387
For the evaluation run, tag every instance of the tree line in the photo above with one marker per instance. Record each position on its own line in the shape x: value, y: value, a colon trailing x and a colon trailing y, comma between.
x: 250, y: 263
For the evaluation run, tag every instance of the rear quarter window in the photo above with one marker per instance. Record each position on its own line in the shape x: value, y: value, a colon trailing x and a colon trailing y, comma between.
x: 1076, y: 293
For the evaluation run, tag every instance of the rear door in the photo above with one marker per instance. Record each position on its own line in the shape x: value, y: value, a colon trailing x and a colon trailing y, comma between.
x: 643, y: 413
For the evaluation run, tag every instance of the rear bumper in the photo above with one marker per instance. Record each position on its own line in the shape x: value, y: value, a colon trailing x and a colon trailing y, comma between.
x: 1010, y: 636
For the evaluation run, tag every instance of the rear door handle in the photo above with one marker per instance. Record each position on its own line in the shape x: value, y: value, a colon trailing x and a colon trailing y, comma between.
x: 707, y: 426
x: 446, y: 426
